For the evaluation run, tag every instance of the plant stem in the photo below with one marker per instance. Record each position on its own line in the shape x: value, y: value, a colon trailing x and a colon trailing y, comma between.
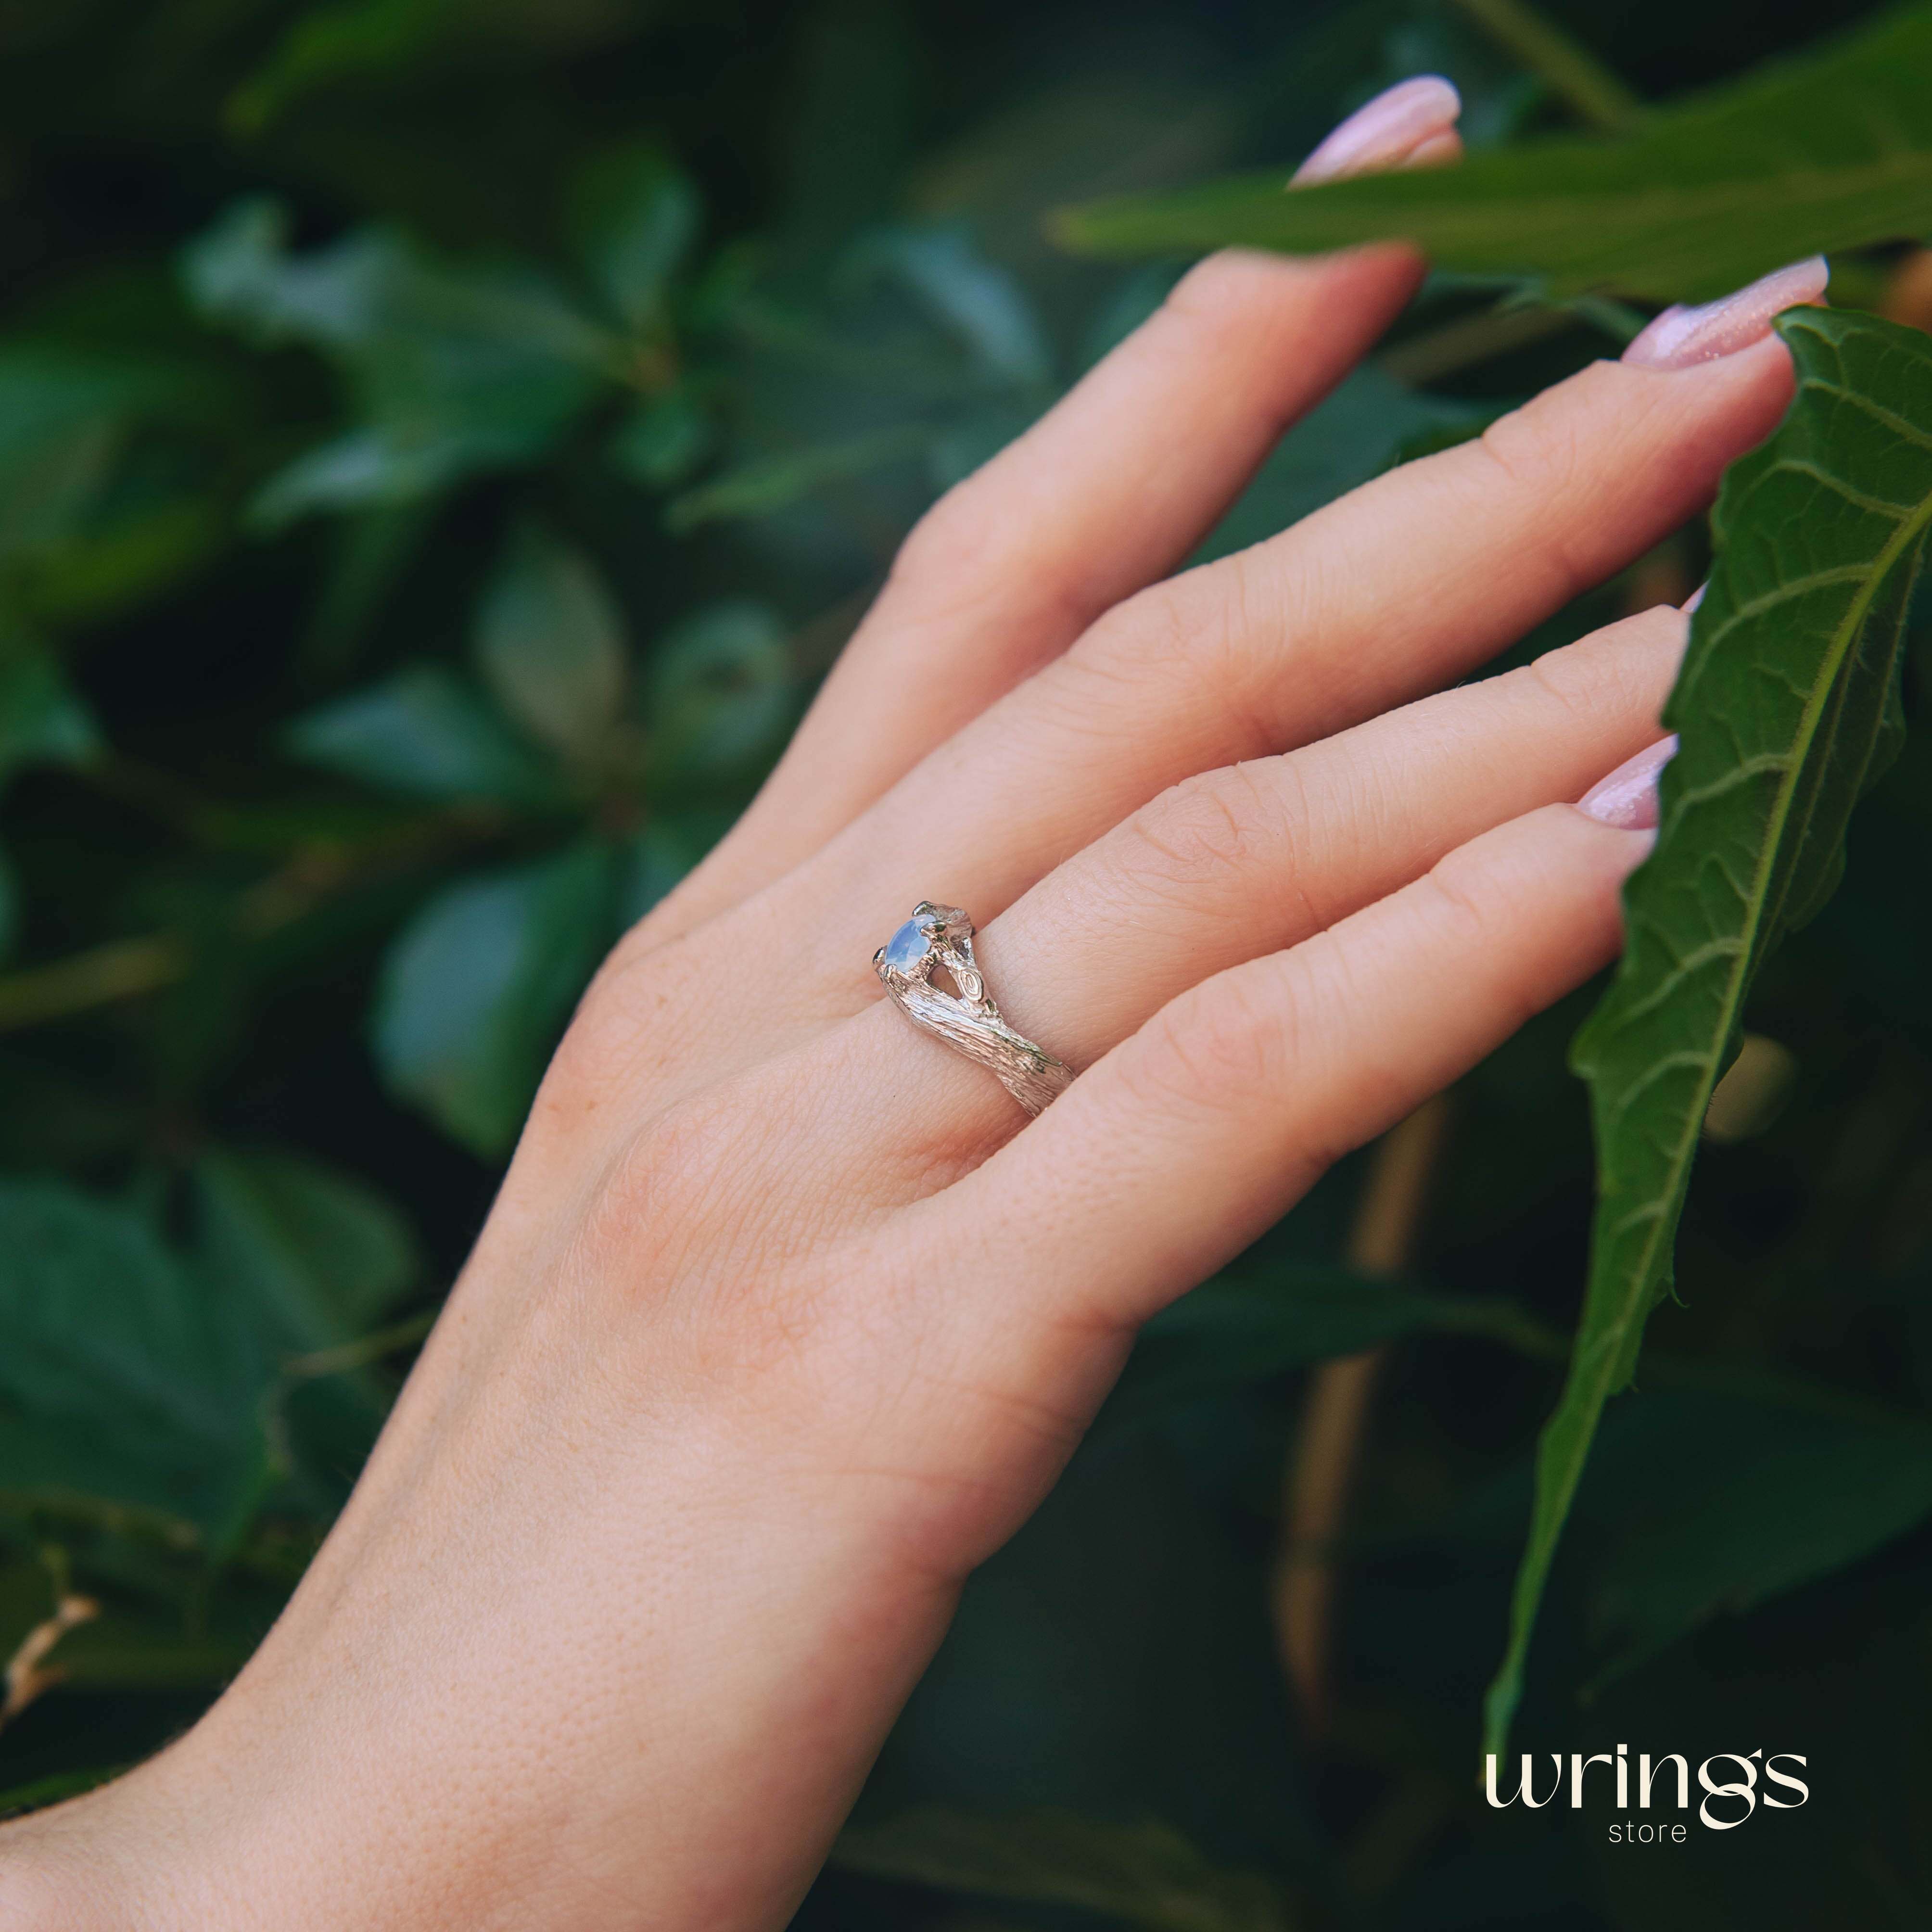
x: 118, y: 970
x: 1321, y: 1461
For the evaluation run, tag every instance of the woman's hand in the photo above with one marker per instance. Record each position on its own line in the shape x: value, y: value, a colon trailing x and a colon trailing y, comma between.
x: 786, y: 1316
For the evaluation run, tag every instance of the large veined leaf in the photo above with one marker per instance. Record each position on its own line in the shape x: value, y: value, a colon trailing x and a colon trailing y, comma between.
x: 1831, y: 151
x: 1146, y: 1875
x: 1787, y: 710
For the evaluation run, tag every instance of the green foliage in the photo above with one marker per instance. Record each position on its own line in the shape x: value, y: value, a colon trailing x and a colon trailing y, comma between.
x: 476, y: 989
x: 1787, y: 712
x: 124, y: 1378
x: 550, y: 645
x: 1706, y: 1506
x: 1833, y: 152
x: 455, y: 369
x: 425, y: 731
x: 439, y: 447
x: 1145, y: 1875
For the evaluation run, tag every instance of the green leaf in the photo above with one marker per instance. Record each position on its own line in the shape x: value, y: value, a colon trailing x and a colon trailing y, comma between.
x: 121, y: 1379
x: 635, y: 216
x: 325, y: 1256
x: 550, y: 644
x: 43, y: 719
x: 476, y: 990
x: 1787, y: 711
x: 764, y: 485
x: 1593, y: 93
x: 428, y: 734
x: 99, y: 499
x: 720, y: 692
x: 973, y: 298
x: 1262, y: 1319
x: 453, y: 366
x: 328, y: 43
x: 662, y: 441
x: 1145, y: 1874
x: 1347, y: 437
x: 1709, y: 1505
x: 1831, y: 151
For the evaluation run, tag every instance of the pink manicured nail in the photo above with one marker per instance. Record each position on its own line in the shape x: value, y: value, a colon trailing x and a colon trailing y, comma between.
x: 1627, y: 798
x: 1681, y: 337
x: 1385, y: 132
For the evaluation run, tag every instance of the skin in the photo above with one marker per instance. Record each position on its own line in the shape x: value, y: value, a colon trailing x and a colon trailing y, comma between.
x: 786, y: 1317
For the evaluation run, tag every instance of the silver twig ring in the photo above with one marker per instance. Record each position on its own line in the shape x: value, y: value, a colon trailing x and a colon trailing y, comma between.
x: 940, y: 938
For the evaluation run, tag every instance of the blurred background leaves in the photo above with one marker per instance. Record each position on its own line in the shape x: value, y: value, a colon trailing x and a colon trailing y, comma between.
x: 439, y: 448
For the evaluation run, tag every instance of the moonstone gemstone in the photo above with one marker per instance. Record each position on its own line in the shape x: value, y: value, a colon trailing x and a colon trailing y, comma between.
x: 907, y: 947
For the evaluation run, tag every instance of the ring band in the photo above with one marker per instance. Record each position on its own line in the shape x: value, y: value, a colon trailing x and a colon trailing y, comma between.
x: 940, y: 937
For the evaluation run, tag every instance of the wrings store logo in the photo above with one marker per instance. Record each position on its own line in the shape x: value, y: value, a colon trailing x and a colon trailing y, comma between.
x: 1727, y: 1803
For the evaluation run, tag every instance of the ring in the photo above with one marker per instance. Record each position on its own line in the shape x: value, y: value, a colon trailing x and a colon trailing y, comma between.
x: 940, y: 938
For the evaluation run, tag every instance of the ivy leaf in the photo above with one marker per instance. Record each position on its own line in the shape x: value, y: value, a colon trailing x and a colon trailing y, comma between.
x: 476, y: 990
x: 426, y: 732
x: 1143, y: 1874
x: 1787, y: 712
x: 550, y: 644
x: 1831, y: 151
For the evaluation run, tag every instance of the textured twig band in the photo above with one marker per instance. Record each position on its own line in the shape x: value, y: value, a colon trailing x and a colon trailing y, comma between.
x: 941, y: 937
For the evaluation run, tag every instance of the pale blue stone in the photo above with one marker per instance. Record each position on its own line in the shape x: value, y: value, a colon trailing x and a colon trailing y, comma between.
x: 907, y: 947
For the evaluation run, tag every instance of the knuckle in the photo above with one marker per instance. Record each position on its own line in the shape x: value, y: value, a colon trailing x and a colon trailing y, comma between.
x: 1199, y: 834
x: 1462, y: 885
x: 1189, y: 643
x: 1536, y: 447
x: 1225, y: 1038
x: 949, y: 541
x: 1205, y: 289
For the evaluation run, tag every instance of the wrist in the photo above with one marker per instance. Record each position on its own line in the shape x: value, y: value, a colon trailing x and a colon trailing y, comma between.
x: 62, y: 1870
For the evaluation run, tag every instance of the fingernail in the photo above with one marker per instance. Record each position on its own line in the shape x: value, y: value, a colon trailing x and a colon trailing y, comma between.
x: 1680, y: 336
x: 1690, y: 604
x: 1386, y: 131
x: 1627, y: 798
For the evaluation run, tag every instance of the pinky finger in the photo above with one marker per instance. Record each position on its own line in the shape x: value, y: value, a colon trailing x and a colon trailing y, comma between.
x: 1182, y: 1145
